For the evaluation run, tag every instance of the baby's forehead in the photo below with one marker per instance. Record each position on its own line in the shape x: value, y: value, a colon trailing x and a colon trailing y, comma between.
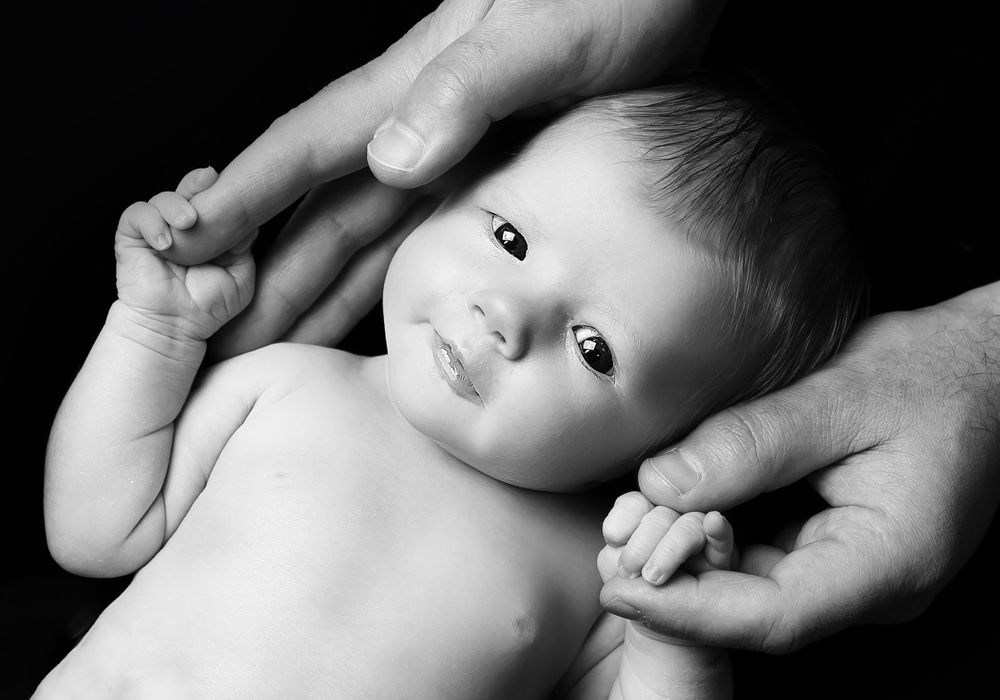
x: 578, y: 129
x: 579, y: 152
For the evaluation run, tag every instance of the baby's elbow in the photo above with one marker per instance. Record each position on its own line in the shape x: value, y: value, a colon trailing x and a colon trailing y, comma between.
x: 86, y: 558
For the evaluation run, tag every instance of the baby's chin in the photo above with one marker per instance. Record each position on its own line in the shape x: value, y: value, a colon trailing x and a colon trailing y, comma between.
x: 551, y: 466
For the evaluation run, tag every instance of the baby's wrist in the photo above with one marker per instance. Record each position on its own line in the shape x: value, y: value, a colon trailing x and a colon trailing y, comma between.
x: 173, y: 337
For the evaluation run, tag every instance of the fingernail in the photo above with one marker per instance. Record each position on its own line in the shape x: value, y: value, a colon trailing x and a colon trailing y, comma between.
x: 162, y: 241
x: 675, y: 472
x: 654, y: 575
x: 615, y: 605
x: 396, y: 147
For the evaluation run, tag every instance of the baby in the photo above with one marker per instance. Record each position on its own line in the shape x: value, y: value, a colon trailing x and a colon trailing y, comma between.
x: 304, y: 522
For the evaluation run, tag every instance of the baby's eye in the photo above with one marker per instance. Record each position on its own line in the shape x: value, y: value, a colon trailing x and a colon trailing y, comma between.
x: 594, y: 350
x: 509, y: 238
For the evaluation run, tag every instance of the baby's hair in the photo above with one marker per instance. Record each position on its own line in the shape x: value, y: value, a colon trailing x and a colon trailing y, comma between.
x: 732, y: 172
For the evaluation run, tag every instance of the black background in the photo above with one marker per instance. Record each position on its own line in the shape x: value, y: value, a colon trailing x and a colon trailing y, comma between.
x: 106, y: 108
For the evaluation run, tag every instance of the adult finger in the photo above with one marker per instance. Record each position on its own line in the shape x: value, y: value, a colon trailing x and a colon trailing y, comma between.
x: 502, y: 64
x: 808, y: 594
x: 522, y: 55
x: 320, y: 140
x: 333, y: 222
x: 353, y: 293
x: 763, y: 444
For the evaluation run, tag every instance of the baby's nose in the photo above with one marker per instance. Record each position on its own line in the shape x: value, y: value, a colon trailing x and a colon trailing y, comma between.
x: 508, y: 318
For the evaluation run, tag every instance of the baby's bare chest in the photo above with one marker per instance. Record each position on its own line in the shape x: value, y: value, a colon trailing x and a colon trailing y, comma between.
x: 324, y: 535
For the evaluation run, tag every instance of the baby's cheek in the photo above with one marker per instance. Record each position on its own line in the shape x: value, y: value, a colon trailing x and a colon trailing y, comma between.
x: 574, y: 451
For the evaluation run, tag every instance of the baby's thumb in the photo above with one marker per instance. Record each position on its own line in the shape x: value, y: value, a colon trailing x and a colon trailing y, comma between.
x: 752, y: 447
x: 496, y: 68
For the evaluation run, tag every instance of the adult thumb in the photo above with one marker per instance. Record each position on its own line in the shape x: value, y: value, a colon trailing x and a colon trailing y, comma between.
x: 503, y: 64
x: 760, y: 445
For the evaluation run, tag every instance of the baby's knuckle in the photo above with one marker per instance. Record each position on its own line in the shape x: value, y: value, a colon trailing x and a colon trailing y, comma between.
x: 660, y: 517
x: 631, y: 502
x: 690, y: 524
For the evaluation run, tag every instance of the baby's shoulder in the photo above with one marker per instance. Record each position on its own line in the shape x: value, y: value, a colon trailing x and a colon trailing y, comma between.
x: 290, y: 361
x: 278, y: 369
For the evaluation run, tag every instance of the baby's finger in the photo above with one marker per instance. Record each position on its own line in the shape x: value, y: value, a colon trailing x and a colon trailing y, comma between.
x: 653, y: 527
x: 607, y: 562
x: 621, y: 522
x: 144, y: 220
x: 333, y: 222
x: 719, y: 545
x: 685, y: 539
x: 125, y: 227
x: 197, y: 180
x: 175, y: 210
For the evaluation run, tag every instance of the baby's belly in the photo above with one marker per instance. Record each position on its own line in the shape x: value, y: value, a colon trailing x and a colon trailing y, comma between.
x: 347, y: 577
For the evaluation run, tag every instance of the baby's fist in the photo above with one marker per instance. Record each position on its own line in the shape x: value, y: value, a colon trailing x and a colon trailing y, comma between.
x: 194, y: 300
x: 655, y: 541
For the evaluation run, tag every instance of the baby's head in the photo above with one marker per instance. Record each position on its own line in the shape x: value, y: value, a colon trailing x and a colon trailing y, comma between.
x: 645, y: 260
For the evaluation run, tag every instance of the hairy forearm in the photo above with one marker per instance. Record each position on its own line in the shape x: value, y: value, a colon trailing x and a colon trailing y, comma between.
x: 110, y: 445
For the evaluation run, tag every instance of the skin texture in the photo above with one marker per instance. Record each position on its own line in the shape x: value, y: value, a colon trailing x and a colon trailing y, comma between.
x: 906, y: 417
x: 296, y: 300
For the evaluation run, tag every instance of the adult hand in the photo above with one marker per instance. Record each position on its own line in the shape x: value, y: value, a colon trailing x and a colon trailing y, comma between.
x: 907, y: 417
x: 432, y: 95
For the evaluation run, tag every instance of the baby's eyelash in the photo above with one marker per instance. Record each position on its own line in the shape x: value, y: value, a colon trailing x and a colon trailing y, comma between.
x: 594, y: 350
x: 508, y: 237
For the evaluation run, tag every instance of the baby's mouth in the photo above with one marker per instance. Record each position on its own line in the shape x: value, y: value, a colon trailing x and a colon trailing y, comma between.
x: 453, y: 370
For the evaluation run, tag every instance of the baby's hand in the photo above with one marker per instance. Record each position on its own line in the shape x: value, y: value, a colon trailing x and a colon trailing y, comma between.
x: 654, y: 541
x: 194, y: 300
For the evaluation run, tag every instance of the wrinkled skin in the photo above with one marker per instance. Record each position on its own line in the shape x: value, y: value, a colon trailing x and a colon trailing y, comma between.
x: 908, y: 418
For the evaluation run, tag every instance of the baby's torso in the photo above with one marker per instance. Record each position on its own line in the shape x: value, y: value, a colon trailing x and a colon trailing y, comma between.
x: 333, y: 553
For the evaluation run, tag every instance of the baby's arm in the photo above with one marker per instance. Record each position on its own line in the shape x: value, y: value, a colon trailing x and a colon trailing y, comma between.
x: 655, y: 543
x: 111, y: 442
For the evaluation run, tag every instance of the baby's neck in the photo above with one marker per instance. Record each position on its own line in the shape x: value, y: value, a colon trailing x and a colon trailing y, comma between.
x: 373, y: 373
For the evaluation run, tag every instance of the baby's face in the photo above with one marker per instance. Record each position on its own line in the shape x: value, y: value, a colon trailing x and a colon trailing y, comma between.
x: 546, y: 326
